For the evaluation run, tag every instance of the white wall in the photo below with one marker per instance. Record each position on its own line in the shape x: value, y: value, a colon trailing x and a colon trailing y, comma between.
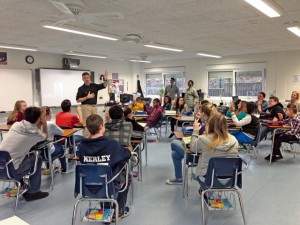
x: 281, y: 67
x: 126, y: 70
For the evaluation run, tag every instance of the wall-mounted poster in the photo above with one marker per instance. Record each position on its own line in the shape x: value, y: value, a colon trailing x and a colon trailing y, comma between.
x: 3, y: 58
x: 116, y: 86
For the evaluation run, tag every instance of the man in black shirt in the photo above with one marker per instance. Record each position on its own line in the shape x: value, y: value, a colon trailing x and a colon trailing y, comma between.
x: 87, y: 95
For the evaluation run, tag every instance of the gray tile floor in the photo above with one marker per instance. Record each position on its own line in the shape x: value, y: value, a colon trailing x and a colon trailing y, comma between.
x: 270, y: 195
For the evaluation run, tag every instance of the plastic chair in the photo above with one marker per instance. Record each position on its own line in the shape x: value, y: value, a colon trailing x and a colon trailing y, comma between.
x: 96, y: 183
x: 252, y: 146
x: 9, y: 174
x: 223, y: 175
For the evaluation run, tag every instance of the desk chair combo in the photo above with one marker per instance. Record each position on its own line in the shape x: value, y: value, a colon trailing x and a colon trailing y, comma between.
x: 8, y: 175
x: 95, y: 183
x: 222, y: 180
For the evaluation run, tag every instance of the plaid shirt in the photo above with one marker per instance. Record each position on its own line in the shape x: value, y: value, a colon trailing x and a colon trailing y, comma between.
x: 154, y: 115
x: 295, y: 124
x: 120, y: 131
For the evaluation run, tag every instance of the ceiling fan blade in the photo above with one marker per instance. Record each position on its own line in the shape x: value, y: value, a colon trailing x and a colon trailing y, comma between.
x: 107, y: 16
x: 62, y: 7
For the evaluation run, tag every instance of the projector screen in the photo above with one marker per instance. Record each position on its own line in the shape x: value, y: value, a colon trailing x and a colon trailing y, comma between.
x: 15, y: 84
x: 57, y: 85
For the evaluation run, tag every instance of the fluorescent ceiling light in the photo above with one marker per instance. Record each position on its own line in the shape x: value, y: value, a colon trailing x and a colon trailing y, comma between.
x: 86, y: 55
x: 16, y: 47
x: 267, y: 7
x: 209, y: 55
x: 79, y: 31
x: 142, y: 61
x: 164, y: 48
x: 295, y: 30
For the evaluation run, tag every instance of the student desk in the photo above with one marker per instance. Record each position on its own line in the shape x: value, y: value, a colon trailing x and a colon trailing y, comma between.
x: 276, y: 128
x: 4, y: 128
x: 14, y: 220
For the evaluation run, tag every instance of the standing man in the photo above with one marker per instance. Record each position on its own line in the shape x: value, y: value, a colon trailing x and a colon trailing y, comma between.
x: 87, y: 95
x: 172, y: 89
x: 191, y: 95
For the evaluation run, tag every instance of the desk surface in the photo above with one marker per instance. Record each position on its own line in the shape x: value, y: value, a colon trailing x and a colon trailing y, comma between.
x: 281, y: 127
x: 68, y: 132
x: 14, y: 220
x: 186, y: 118
x: 4, y: 127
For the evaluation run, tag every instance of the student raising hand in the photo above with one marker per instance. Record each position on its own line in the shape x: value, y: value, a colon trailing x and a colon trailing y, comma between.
x: 196, y: 125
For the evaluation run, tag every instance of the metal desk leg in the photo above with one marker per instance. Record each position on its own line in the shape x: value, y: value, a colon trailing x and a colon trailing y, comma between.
x: 1, y: 136
x: 140, y: 163
x: 272, y: 146
x: 146, y: 148
x: 51, y: 169
x: 185, y: 176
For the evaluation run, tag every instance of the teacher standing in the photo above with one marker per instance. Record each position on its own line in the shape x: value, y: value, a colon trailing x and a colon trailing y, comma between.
x: 172, y: 89
x: 87, y: 95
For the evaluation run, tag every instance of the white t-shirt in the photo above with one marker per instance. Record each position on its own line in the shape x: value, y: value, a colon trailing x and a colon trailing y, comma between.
x: 21, y: 137
x: 53, y: 130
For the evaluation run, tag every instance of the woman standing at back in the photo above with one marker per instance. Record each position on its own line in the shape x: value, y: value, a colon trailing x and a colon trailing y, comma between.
x: 295, y: 99
x: 215, y: 142
x: 17, y: 114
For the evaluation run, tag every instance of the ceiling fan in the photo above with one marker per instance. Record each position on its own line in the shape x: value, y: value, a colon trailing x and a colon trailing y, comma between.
x: 74, y: 11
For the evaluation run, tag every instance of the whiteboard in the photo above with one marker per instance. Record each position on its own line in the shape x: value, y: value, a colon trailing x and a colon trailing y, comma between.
x: 15, y: 84
x: 58, y: 85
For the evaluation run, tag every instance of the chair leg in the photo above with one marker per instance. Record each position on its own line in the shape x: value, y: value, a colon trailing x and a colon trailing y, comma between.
x: 202, y: 204
x: 75, y: 211
x: 242, y: 206
x: 17, y: 197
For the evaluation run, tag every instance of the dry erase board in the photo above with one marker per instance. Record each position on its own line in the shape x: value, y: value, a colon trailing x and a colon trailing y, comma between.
x: 57, y: 85
x: 15, y: 84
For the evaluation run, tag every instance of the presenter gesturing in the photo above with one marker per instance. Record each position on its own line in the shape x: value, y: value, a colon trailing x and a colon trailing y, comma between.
x: 87, y: 95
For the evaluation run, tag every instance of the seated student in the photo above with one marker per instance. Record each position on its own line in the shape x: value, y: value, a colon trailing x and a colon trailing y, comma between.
x: 137, y: 105
x: 154, y: 113
x: 167, y: 103
x: 275, y: 107
x: 261, y: 103
x: 17, y: 114
x: 115, y: 156
x: 295, y: 99
x: 250, y: 124
x: 215, y: 142
x: 56, y: 149
x: 135, y: 125
x: 177, y: 148
x: 68, y: 119
x: 240, y: 112
x: 180, y: 107
x: 290, y: 135
x: 117, y: 128
x: 18, y: 142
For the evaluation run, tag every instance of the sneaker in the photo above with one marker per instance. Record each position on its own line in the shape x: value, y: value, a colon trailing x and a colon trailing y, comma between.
x: 45, y: 172
x: 122, y: 214
x: 63, y: 170
x: 267, y: 157
x: 135, y: 173
x: 174, y: 181
x: 35, y: 196
x: 171, y: 135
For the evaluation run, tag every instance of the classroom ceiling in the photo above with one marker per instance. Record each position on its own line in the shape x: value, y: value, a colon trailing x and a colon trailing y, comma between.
x: 222, y: 27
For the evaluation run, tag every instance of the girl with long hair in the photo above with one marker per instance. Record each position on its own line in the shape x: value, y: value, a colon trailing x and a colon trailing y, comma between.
x: 17, y: 114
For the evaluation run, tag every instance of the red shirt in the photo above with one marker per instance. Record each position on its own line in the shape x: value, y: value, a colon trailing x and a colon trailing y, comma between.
x: 66, y: 119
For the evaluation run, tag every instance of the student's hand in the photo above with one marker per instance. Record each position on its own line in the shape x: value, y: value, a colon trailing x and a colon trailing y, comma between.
x: 133, y: 102
x: 280, y: 116
x: 105, y: 76
x: 90, y: 95
x: 196, y: 125
x: 146, y: 128
x: 144, y: 102
x: 107, y: 117
x: 275, y: 119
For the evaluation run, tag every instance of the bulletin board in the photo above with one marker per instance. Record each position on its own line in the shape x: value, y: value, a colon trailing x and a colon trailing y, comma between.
x: 116, y: 86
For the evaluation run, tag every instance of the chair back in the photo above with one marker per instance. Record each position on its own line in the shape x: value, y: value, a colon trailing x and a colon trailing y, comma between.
x: 7, y: 170
x: 224, y: 173
x: 94, y: 181
x: 256, y: 141
x: 148, y: 101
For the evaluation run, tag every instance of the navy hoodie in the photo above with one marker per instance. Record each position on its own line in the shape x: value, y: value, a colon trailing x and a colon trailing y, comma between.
x: 103, y: 150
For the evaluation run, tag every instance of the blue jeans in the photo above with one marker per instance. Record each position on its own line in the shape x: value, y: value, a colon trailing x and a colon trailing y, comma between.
x: 177, y: 156
x: 60, y: 153
x: 27, y: 166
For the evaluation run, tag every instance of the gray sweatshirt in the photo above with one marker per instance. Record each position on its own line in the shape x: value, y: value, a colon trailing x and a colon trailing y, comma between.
x: 200, y: 144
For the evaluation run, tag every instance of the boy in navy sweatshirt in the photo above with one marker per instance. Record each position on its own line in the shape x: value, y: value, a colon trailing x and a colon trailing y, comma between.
x: 98, y: 148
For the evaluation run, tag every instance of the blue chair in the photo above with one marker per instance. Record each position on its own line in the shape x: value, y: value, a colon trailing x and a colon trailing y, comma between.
x: 97, y: 183
x: 223, y: 175
x: 9, y: 174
